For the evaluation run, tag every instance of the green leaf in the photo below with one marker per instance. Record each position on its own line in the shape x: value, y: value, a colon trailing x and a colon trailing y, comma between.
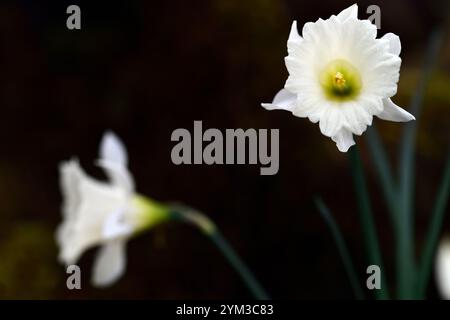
x: 203, y: 223
x: 366, y: 218
x: 405, y: 234
x: 384, y: 171
x: 342, y: 247
x: 434, y: 230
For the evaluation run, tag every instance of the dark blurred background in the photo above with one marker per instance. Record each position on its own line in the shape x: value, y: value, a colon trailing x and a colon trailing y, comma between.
x: 145, y: 68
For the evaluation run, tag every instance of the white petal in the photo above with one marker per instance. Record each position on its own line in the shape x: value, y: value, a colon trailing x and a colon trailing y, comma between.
x: 357, y: 117
x: 379, y: 69
x: 284, y: 100
x: 310, y: 106
x: 373, y: 105
x: 83, y: 227
x: 392, y: 112
x: 443, y: 269
x: 113, y: 150
x: 331, y: 121
x: 114, y: 159
x: 294, y: 38
x: 70, y: 176
x: 395, y: 46
x: 319, y: 30
x: 351, y: 12
x: 88, y: 204
x: 109, y: 264
x: 119, y: 175
x: 115, y: 226
x: 344, y: 140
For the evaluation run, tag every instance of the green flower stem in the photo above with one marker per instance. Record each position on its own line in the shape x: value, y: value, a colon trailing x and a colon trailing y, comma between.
x: 366, y: 218
x: 207, y: 227
x: 246, y: 275
x: 433, y: 232
x: 405, y: 240
x: 381, y: 162
x: 342, y: 247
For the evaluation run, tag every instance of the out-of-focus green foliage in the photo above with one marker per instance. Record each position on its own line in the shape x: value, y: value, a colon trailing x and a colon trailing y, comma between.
x: 28, y: 268
x: 433, y: 128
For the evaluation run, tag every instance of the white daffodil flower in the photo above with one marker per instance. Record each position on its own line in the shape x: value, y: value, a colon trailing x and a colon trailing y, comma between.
x: 103, y: 213
x: 341, y: 75
x: 443, y: 269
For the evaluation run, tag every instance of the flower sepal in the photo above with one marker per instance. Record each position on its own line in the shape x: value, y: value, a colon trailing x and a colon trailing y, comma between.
x: 149, y: 213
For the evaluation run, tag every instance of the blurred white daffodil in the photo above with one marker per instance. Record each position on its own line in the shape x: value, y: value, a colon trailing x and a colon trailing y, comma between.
x: 103, y: 213
x: 341, y: 75
x: 443, y: 269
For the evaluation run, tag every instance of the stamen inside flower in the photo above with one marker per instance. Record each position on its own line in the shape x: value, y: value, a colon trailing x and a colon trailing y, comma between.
x: 340, y: 81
